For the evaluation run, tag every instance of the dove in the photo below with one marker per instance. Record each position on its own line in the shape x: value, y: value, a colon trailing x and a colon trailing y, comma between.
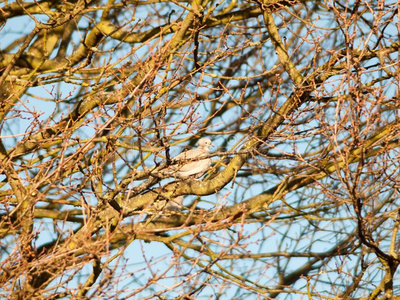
x: 188, y: 162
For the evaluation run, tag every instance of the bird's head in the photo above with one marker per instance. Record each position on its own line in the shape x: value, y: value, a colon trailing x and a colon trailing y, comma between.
x: 205, y: 143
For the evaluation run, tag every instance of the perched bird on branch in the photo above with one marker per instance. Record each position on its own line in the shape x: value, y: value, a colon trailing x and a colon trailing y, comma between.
x: 189, y: 164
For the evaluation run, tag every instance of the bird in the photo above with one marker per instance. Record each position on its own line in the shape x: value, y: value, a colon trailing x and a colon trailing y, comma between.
x: 188, y: 164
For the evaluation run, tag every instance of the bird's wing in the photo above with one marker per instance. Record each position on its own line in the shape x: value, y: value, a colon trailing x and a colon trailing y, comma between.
x: 194, y: 168
x: 189, y: 163
x: 190, y: 154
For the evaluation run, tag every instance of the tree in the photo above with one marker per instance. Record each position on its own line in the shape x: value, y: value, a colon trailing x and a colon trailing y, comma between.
x: 301, y: 102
